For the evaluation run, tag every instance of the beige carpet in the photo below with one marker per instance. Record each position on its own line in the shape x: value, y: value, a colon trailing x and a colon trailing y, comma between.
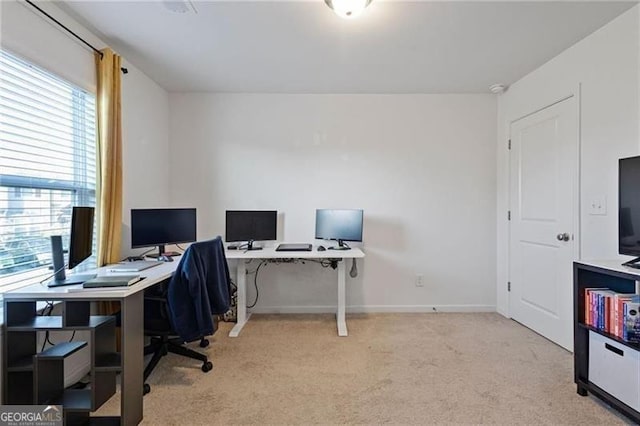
x: 393, y: 368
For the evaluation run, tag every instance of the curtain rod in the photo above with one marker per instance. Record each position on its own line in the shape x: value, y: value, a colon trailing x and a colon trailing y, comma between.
x: 124, y: 70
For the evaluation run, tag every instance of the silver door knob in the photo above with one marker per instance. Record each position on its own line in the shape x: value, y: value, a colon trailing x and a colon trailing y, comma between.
x: 563, y: 237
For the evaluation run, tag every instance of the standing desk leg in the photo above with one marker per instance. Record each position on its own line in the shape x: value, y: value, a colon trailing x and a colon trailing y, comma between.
x: 241, y: 282
x: 342, y: 295
x: 131, y: 379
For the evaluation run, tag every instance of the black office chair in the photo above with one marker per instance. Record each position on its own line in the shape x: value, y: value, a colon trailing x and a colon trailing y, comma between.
x: 185, y: 308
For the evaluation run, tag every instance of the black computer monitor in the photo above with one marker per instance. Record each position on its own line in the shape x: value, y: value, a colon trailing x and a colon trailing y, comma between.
x: 339, y: 224
x: 81, y: 237
x: 80, y: 248
x: 629, y: 209
x: 158, y: 227
x: 250, y: 226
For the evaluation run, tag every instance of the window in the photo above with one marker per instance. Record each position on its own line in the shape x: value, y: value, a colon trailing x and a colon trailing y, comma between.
x: 47, y: 165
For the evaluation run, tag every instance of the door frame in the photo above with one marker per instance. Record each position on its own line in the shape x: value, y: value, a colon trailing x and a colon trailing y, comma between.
x: 577, y: 225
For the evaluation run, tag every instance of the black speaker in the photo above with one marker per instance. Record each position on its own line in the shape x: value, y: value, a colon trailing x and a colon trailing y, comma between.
x: 58, y: 257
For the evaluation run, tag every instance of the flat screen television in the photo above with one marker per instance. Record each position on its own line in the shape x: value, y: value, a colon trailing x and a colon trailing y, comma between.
x: 629, y: 208
x: 159, y: 227
x: 340, y: 225
x: 250, y: 226
x: 80, y: 248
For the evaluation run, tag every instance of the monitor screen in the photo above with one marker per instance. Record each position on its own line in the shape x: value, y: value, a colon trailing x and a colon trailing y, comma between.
x: 157, y: 227
x: 251, y: 225
x: 81, y: 237
x: 629, y: 206
x: 344, y: 225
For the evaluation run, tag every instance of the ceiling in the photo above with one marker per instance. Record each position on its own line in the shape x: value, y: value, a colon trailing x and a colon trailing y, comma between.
x: 302, y: 47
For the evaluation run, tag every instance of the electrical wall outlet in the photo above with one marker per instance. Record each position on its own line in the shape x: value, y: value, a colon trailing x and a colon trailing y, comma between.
x: 419, y: 280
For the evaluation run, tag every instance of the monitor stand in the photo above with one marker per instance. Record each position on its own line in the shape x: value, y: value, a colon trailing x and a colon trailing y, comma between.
x: 71, y: 280
x: 162, y: 252
x: 633, y: 263
x: 60, y: 277
x: 341, y: 246
x: 251, y: 247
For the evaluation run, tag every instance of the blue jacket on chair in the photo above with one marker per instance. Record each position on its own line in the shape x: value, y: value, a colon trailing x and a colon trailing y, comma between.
x: 199, y: 289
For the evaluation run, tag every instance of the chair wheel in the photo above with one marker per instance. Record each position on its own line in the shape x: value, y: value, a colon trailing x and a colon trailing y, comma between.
x: 207, y: 366
x: 204, y: 343
x: 146, y: 389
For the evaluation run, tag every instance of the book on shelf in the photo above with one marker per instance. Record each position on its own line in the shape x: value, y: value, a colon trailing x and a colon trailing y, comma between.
x: 613, y: 312
x: 631, y: 330
x: 595, y: 302
x: 619, y: 318
x: 111, y: 281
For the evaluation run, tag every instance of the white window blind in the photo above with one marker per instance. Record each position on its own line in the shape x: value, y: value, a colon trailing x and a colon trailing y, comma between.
x: 47, y: 164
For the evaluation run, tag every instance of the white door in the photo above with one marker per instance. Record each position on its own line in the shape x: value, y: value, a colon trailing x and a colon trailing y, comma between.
x: 543, y: 226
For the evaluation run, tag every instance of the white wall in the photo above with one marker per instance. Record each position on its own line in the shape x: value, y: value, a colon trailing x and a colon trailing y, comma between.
x: 145, y: 105
x: 145, y: 147
x: 421, y: 166
x: 24, y: 31
x: 603, y: 70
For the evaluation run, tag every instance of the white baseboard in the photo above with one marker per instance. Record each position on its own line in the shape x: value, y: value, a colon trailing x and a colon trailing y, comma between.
x: 421, y: 308
x: 373, y: 309
x: 503, y: 313
x: 293, y: 310
x: 76, y: 372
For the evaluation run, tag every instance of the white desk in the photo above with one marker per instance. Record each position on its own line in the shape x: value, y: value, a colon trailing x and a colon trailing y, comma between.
x: 132, y: 307
x: 271, y: 253
x: 152, y: 276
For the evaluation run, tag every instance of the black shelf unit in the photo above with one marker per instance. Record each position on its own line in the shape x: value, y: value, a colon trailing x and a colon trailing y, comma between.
x: 32, y: 377
x: 632, y: 345
x: 593, y: 276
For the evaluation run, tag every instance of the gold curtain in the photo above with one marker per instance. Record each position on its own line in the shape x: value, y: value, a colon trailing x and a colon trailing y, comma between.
x: 109, y: 157
x: 109, y: 166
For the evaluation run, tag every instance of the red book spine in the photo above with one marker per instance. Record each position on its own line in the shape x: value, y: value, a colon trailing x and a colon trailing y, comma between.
x: 587, y: 307
x: 616, y: 298
x: 612, y: 322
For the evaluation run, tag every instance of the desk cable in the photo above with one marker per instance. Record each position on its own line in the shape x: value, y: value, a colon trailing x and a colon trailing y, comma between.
x: 52, y: 275
x: 325, y: 263
x: 255, y: 282
x: 44, y: 313
x: 139, y: 257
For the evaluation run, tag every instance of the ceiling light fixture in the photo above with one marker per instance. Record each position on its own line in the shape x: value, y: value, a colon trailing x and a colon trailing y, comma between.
x: 348, y: 9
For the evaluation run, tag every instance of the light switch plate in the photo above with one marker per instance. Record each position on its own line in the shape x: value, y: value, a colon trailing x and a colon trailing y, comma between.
x: 598, y: 205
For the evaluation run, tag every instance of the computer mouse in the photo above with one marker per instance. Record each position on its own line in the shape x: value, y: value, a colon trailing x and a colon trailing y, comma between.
x: 164, y: 258
x: 321, y: 248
